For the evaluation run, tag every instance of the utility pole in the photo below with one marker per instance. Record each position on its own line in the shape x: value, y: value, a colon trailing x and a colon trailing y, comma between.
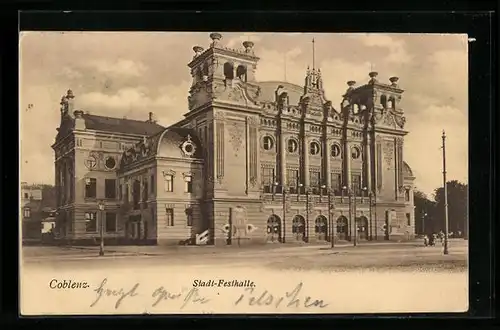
x: 445, y: 197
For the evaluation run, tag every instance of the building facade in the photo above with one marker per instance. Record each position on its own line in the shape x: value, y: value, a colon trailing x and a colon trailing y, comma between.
x: 36, y: 206
x: 251, y: 162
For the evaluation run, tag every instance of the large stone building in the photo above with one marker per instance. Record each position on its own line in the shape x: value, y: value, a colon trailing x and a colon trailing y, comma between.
x: 251, y: 161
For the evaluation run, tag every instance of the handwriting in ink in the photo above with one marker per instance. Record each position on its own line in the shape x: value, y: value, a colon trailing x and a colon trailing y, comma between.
x: 120, y: 293
x: 292, y: 299
x: 192, y: 296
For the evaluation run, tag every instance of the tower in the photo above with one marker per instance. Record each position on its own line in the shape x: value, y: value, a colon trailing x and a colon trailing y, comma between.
x: 377, y: 105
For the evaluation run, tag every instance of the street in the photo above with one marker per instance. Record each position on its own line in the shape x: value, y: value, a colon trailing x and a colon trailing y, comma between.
x: 369, y: 278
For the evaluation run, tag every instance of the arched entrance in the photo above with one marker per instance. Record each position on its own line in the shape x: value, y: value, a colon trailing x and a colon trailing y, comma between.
x: 362, y: 224
x: 342, y: 228
x: 274, y: 228
x: 321, y: 228
x: 299, y: 228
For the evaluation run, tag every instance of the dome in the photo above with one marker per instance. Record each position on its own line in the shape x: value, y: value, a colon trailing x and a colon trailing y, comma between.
x: 172, y: 142
x: 407, y: 172
x: 177, y: 142
x: 268, y: 90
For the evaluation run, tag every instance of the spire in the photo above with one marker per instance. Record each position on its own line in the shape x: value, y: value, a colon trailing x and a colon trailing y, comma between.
x: 313, y: 53
x: 284, y: 62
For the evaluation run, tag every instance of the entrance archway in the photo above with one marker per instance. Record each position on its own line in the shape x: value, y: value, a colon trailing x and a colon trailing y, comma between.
x: 362, y: 224
x: 299, y: 228
x: 321, y: 228
x: 274, y: 228
x: 342, y: 228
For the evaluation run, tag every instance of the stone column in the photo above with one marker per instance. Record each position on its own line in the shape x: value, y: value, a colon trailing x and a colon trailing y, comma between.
x: 368, y: 166
x: 305, y: 152
x: 347, y: 161
x: 328, y: 174
x: 282, y: 156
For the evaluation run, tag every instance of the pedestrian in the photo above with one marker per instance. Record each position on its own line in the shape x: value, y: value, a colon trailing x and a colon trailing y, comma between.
x: 426, y: 240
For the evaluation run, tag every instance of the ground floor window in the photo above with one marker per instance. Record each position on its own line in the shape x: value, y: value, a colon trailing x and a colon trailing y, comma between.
x: 90, y: 222
x: 110, y: 222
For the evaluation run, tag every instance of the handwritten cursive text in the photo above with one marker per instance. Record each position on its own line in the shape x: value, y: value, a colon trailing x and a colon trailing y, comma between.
x: 120, y: 293
x: 292, y: 299
x: 191, y: 296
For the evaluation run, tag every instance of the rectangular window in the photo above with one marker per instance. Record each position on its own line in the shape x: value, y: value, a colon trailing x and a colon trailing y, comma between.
x: 408, y: 219
x: 110, y: 222
x: 314, y: 180
x: 90, y: 188
x: 27, y: 212
x: 336, y: 183
x: 407, y: 195
x: 189, y: 184
x: 169, y: 216
x: 153, y: 184
x: 292, y: 180
x: 90, y: 222
x: 356, y: 184
x: 136, y: 194
x: 189, y: 216
x: 169, y: 183
x: 110, y: 188
x: 145, y: 191
x: 26, y: 195
x: 125, y: 197
x: 268, y: 179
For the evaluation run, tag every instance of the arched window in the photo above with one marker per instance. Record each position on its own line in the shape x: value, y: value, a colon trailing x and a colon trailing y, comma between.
x: 335, y: 150
x: 391, y: 103
x: 383, y: 101
x: 292, y: 146
x: 229, y: 70
x: 205, y: 70
x: 241, y: 72
x: 314, y: 148
x: 268, y: 143
x: 355, y: 153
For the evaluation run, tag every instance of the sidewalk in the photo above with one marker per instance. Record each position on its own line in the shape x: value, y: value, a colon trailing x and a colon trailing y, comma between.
x: 210, y: 249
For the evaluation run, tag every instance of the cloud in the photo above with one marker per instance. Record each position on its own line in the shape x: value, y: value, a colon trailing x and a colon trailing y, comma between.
x: 121, y: 67
x: 395, y: 47
x: 237, y: 41
x: 272, y: 66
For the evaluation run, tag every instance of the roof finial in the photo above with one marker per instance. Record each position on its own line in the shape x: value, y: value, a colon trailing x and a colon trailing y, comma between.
x: 313, y: 52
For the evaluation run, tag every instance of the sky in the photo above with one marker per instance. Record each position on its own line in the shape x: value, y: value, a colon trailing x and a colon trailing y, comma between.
x: 129, y: 74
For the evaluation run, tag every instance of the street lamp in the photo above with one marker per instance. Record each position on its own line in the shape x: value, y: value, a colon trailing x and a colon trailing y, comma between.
x: 352, y: 209
x: 275, y: 184
x: 101, y: 231
x: 330, y: 222
x: 283, y: 191
x: 423, y: 222
x: 370, y: 201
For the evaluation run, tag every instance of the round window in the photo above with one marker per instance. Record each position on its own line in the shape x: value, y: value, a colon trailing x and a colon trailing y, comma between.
x: 335, y: 150
x: 314, y: 148
x: 268, y: 143
x: 91, y: 162
x: 110, y: 163
x: 292, y: 146
x: 188, y: 148
x: 355, y: 153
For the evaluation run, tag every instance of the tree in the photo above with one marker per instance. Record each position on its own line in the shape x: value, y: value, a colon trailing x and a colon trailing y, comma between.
x: 457, y: 207
x: 424, y: 213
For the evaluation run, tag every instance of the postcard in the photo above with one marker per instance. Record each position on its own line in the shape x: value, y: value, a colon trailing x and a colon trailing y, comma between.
x: 247, y: 173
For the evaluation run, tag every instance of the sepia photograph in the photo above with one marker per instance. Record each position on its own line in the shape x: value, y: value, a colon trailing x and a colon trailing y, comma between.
x: 243, y: 173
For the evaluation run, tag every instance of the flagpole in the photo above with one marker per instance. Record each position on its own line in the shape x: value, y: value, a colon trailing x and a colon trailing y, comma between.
x: 445, y: 197
x: 313, y: 53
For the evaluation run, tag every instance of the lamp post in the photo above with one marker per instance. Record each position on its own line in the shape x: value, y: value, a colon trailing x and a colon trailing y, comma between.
x: 370, y: 201
x: 283, y: 191
x: 307, y: 216
x: 330, y: 222
x: 445, y: 196
x: 423, y: 222
x: 101, y: 226
x: 275, y: 184
x: 352, y: 210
